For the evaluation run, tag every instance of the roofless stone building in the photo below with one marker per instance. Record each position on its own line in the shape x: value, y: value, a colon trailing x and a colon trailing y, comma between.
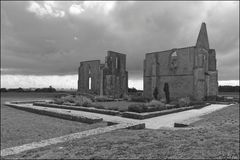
x: 189, y: 71
x: 110, y: 78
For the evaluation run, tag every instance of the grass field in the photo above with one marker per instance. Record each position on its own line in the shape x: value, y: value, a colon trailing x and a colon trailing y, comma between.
x: 216, y: 136
x: 19, y: 127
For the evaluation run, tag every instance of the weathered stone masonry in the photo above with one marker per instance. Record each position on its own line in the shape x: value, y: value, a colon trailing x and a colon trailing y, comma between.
x: 110, y: 78
x: 189, y: 71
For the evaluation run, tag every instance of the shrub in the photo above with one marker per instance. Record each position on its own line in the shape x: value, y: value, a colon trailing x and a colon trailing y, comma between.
x: 192, y: 103
x: 103, y: 99
x: 81, y: 100
x: 220, y: 98
x: 155, y: 93
x: 170, y: 106
x: 114, y: 108
x: 211, y: 98
x: 183, y: 102
x: 100, y: 107
x: 155, y: 105
x: 85, y: 104
x: 139, y: 108
x: 58, y: 101
x: 140, y: 99
x: 122, y: 109
x: 90, y: 104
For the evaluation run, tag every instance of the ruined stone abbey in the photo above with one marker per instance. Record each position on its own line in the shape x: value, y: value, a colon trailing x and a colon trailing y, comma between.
x: 189, y: 71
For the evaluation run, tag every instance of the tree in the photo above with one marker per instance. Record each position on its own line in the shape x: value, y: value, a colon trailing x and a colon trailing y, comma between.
x: 155, y: 93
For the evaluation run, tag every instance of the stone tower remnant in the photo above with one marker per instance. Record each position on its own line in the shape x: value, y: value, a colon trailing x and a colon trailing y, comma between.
x: 109, y: 79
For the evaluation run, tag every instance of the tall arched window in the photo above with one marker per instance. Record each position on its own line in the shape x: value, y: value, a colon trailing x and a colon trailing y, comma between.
x: 173, y: 60
x: 89, y: 70
x: 116, y: 63
x: 174, y: 54
x: 89, y: 83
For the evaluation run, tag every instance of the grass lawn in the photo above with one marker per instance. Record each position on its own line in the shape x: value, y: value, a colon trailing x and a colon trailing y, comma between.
x: 19, y: 127
x: 215, y: 136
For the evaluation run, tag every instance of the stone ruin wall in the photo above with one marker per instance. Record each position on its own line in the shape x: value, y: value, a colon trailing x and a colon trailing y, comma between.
x: 109, y: 79
x: 115, y: 76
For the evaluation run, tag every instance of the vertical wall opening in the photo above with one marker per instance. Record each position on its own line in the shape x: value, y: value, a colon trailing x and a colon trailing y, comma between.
x: 116, y: 63
x: 89, y: 83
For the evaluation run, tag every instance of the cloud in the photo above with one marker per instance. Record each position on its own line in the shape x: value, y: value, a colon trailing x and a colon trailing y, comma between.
x: 76, y: 9
x: 51, y: 38
x: 46, y: 9
x: 24, y: 81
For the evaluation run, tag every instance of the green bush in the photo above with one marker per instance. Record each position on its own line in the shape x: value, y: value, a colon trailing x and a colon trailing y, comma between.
x: 152, y: 106
x: 139, y: 99
x: 139, y: 108
x: 192, y: 103
x: 76, y: 99
x: 85, y: 104
x: 90, y: 104
x: 155, y: 93
x: 122, y: 109
x: 211, y: 98
x: 98, y: 106
x: 58, y: 101
x: 183, y: 102
x: 80, y: 100
x: 170, y: 106
x: 114, y: 108
x: 103, y: 99
x: 155, y: 105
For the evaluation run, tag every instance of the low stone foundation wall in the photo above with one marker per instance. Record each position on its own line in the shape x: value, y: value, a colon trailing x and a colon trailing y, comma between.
x: 30, y: 101
x: 63, y: 115
x: 146, y: 115
x: 78, y: 108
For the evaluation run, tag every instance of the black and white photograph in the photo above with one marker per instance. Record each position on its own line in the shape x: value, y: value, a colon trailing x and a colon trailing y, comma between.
x: 119, y: 80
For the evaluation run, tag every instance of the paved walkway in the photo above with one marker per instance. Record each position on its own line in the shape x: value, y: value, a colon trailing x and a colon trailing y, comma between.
x: 150, y: 123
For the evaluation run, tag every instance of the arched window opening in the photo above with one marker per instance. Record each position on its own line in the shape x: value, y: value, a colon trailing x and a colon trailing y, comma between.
x: 174, y: 54
x: 116, y: 63
x: 89, y: 71
x: 89, y: 83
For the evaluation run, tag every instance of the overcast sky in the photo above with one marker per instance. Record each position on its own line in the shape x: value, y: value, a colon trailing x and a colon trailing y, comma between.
x: 42, y: 42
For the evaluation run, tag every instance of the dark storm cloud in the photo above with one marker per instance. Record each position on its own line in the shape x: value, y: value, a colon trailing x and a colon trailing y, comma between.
x: 50, y: 42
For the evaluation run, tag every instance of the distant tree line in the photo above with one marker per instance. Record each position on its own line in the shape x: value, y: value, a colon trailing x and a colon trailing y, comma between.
x: 49, y: 89
x: 130, y: 90
x: 220, y: 89
x: 133, y: 90
x: 228, y: 88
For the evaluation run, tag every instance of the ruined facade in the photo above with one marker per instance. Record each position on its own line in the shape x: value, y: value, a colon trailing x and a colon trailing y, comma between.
x: 109, y: 79
x: 189, y: 71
